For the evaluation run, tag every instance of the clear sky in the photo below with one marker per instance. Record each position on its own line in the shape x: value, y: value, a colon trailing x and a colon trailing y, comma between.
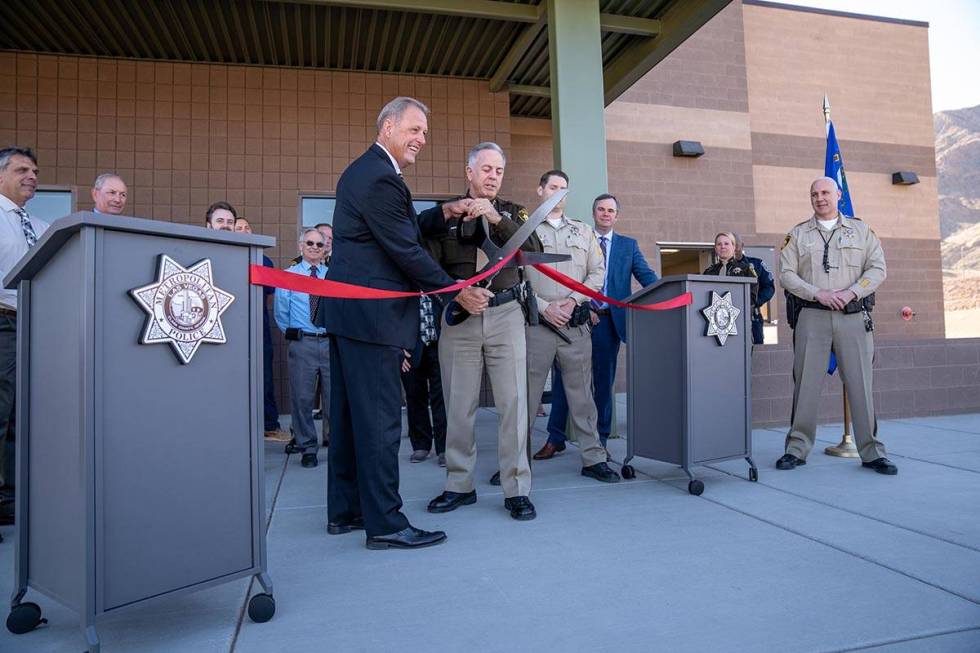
x: 954, y: 41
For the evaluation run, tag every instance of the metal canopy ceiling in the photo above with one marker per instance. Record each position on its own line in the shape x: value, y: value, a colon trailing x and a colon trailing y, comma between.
x: 505, y: 41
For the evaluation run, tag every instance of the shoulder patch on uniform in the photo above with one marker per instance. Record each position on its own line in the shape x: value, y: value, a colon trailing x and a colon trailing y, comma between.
x: 786, y: 240
x: 522, y: 215
x: 864, y: 283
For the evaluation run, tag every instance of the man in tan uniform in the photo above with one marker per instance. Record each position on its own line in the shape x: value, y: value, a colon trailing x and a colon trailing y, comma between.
x: 557, y: 306
x: 494, y: 338
x: 831, y: 263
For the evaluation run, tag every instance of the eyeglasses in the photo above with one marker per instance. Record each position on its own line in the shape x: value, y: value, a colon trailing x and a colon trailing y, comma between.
x: 313, y: 243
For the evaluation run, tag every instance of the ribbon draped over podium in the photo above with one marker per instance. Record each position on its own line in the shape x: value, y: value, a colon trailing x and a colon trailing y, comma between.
x: 259, y: 275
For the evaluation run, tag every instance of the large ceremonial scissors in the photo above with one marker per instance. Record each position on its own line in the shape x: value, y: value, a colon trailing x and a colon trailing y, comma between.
x: 512, y: 250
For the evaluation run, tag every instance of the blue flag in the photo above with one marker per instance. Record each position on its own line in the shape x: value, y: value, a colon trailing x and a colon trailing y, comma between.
x: 833, y: 167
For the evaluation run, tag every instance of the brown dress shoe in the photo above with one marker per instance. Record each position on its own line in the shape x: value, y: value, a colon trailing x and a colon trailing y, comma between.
x: 548, y: 451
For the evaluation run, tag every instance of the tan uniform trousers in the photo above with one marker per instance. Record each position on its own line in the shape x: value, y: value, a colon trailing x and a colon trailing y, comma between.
x: 816, y: 331
x: 495, y: 338
x: 575, y: 361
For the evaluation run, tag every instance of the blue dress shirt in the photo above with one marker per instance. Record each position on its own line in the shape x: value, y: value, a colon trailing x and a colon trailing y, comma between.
x: 293, y: 308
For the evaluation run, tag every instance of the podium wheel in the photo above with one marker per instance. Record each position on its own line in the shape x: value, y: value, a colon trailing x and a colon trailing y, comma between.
x: 753, y: 474
x: 261, y: 608
x: 24, y: 617
x: 628, y: 472
x: 695, y: 487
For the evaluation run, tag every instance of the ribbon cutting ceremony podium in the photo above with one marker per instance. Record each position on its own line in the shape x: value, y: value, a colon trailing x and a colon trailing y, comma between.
x: 689, y: 400
x: 139, y: 417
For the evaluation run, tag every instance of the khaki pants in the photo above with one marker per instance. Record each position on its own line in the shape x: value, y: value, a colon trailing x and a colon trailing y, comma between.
x: 495, y: 338
x: 815, y: 332
x: 575, y: 361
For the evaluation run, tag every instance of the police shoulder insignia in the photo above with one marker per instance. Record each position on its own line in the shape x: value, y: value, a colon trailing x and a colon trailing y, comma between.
x: 522, y: 215
x: 786, y: 240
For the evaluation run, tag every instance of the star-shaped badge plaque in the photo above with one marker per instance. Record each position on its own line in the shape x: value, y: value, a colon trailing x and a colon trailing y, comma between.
x: 721, y: 316
x: 184, y: 307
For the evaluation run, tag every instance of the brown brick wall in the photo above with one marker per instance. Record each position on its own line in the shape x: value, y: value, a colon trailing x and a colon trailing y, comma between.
x: 861, y: 156
x: 706, y: 72
x: 875, y: 73
x: 185, y: 135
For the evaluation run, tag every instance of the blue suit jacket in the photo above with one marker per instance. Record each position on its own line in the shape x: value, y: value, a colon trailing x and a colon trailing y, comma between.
x: 626, y: 261
x: 377, y: 242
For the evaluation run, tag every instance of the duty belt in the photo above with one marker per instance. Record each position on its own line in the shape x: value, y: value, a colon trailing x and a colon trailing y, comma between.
x: 853, y: 306
x: 505, y: 296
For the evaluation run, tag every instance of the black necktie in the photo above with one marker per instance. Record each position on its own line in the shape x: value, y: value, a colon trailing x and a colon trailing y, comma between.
x: 25, y: 223
x: 314, y: 300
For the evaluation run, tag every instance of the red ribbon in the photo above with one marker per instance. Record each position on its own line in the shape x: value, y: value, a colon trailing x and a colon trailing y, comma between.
x: 260, y: 275
x: 674, y: 302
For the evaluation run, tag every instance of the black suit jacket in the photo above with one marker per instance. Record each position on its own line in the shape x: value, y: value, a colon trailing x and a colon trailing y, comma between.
x: 378, y: 242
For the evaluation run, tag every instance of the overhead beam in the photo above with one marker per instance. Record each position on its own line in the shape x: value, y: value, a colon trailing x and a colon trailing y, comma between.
x: 680, y: 21
x: 629, y: 25
x: 491, y: 9
x: 516, y: 52
x: 531, y: 91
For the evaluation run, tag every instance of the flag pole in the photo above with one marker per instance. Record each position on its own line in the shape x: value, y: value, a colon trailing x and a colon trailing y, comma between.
x: 846, y: 448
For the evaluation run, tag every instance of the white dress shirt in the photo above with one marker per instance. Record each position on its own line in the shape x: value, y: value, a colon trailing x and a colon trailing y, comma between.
x: 13, y: 244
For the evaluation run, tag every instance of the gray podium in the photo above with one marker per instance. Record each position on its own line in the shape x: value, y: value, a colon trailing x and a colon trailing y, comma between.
x: 690, y: 391
x: 139, y: 466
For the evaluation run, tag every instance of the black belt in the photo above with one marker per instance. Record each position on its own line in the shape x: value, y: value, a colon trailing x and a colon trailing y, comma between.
x: 505, y: 296
x: 817, y: 305
x: 307, y: 334
x: 603, y: 311
x: 852, y: 307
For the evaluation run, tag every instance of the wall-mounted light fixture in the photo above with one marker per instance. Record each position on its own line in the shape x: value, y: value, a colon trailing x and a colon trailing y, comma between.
x: 688, y: 148
x: 904, y: 178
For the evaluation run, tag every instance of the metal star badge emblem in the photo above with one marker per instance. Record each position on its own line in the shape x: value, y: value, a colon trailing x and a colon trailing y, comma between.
x: 184, y: 307
x: 721, y: 316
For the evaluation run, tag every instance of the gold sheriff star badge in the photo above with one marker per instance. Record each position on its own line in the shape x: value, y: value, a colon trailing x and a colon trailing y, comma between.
x: 721, y: 316
x: 184, y: 307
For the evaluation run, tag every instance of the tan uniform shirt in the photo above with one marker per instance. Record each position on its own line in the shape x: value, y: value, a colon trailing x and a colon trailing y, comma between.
x: 857, y: 262
x: 587, y: 266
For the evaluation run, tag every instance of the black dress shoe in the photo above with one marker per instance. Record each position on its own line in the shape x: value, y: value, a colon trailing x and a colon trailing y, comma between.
x: 789, y: 461
x: 601, y: 472
x: 341, y: 527
x: 495, y: 479
x: 292, y: 448
x: 520, y: 508
x: 882, y: 466
x: 448, y: 501
x: 309, y: 460
x: 410, y: 538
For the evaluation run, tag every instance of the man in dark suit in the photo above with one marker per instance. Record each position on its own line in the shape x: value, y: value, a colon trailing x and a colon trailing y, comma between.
x: 422, y: 381
x: 378, y: 243
x: 624, y: 261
